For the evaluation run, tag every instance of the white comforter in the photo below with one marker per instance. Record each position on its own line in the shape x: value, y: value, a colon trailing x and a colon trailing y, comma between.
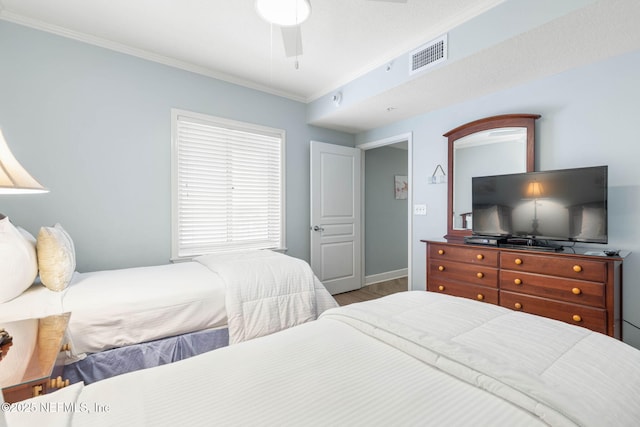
x: 413, y: 358
x: 563, y: 374
x: 115, y: 308
x: 267, y: 292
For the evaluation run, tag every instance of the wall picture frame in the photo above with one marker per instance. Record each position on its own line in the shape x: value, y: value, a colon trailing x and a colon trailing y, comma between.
x: 401, y: 186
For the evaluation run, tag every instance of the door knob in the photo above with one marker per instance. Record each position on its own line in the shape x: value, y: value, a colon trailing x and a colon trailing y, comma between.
x: 317, y: 228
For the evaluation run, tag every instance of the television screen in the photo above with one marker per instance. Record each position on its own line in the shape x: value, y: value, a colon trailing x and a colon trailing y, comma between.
x: 568, y: 205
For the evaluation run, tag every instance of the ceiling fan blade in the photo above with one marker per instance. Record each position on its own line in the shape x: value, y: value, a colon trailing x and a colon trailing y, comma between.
x: 292, y: 39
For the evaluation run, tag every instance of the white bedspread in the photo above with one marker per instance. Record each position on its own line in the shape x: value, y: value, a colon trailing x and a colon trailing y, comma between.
x: 266, y: 292
x: 114, y: 308
x: 413, y: 358
x: 564, y: 374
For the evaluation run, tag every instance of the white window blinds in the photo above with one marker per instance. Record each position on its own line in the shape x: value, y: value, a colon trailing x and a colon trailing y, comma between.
x: 228, y: 185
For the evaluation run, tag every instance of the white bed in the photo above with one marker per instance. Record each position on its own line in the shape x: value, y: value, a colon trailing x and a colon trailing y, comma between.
x: 241, y: 291
x: 129, y: 306
x: 413, y: 358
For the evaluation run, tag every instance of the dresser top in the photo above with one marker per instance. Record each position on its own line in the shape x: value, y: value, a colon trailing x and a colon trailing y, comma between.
x: 566, y: 250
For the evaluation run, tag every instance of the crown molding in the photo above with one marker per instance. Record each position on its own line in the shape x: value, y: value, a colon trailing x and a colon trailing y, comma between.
x: 140, y: 53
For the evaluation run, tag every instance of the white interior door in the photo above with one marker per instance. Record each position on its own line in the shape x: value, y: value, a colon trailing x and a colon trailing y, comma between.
x: 336, y: 249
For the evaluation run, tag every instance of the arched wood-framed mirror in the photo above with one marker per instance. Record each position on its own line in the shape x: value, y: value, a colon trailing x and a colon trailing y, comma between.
x: 490, y: 146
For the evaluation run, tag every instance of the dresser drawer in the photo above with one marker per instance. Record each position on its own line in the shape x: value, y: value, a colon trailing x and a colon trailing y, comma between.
x: 468, y: 273
x: 558, y: 285
x: 25, y: 391
x: 570, y: 267
x: 474, y: 255
x: 587, y: 317
x: 475, y: 292
x: 574, y: 291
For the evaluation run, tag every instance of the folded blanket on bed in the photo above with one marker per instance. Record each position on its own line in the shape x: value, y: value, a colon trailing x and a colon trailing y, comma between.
x: 265, y: 291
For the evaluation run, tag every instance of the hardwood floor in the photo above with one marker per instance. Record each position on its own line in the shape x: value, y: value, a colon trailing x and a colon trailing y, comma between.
x: 374, y: 291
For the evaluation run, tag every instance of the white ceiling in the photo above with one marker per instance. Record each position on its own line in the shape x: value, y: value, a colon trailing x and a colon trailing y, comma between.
x: 342, y: 40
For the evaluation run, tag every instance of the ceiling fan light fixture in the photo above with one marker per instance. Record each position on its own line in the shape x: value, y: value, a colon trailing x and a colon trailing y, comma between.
x: 285, y: 13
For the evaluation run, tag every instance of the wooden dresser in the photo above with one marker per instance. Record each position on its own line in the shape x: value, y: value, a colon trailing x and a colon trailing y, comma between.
x: 575, y: 288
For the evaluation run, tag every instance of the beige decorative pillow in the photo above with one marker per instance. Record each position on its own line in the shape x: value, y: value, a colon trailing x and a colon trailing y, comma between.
x: 18, y: 262
x: 56, y: 257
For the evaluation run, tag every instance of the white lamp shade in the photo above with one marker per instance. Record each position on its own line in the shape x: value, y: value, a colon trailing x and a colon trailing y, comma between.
x: 285, y: 13
x: 14, y: 179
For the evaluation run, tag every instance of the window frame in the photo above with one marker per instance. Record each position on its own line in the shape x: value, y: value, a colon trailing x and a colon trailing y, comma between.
x: 175, y: 182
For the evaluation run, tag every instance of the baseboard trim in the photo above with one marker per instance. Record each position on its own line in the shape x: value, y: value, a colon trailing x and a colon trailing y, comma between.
x: 383, y: 277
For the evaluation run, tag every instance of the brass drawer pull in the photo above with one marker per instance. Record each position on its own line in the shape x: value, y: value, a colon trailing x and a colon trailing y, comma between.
x: 480, y: 275
x: 518, y: 305
x: 576, y: 291
x: 577, y: 318
x: 480, y: 257
x: 58, y: 383
x: 518, y: 261
x: 440, y: 251
x: 441, y: 268
x: 37, y: 390
x: 441, y: 288
x: 518, y: 281
x: 577, y: 268
x: 480, y: 297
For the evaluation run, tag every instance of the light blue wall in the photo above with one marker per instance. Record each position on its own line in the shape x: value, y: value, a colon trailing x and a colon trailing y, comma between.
x: 589, y: 117
x: 94, y: 126
x: 385, y: 218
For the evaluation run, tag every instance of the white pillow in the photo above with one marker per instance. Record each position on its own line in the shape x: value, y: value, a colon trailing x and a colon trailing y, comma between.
x: 56, y: 257
x: 18, y: 265
x: 27, y: 236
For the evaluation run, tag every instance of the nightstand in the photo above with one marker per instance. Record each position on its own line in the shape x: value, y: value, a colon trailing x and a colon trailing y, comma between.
x: 31, y: 363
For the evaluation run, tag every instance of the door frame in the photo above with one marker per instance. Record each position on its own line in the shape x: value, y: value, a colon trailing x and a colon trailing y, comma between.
x: 377, y: 144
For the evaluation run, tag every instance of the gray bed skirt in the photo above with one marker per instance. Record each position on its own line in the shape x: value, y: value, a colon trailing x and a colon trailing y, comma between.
x: 109, y: 363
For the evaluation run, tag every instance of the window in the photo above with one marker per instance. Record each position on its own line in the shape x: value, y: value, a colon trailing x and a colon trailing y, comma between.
x: 227, y: 185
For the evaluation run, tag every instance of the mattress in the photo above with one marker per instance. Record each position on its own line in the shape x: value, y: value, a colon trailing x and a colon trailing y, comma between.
x: 412, y: 358
x: 115, y: 308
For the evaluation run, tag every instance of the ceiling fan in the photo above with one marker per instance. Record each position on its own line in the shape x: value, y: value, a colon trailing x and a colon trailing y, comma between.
x: 289, y: 16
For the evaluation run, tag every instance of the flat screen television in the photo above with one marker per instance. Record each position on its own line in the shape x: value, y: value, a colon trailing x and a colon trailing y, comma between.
x: 560, y: 205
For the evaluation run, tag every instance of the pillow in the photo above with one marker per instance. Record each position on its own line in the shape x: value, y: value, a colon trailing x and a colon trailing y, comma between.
x: 19, y: 265
x: 27, y: 236
x: 56, y: 257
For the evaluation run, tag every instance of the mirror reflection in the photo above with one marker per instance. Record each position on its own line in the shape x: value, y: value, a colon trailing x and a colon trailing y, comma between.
x: 496, y: 151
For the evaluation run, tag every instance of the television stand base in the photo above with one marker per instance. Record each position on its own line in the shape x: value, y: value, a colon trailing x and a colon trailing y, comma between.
x: 531, y: 244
